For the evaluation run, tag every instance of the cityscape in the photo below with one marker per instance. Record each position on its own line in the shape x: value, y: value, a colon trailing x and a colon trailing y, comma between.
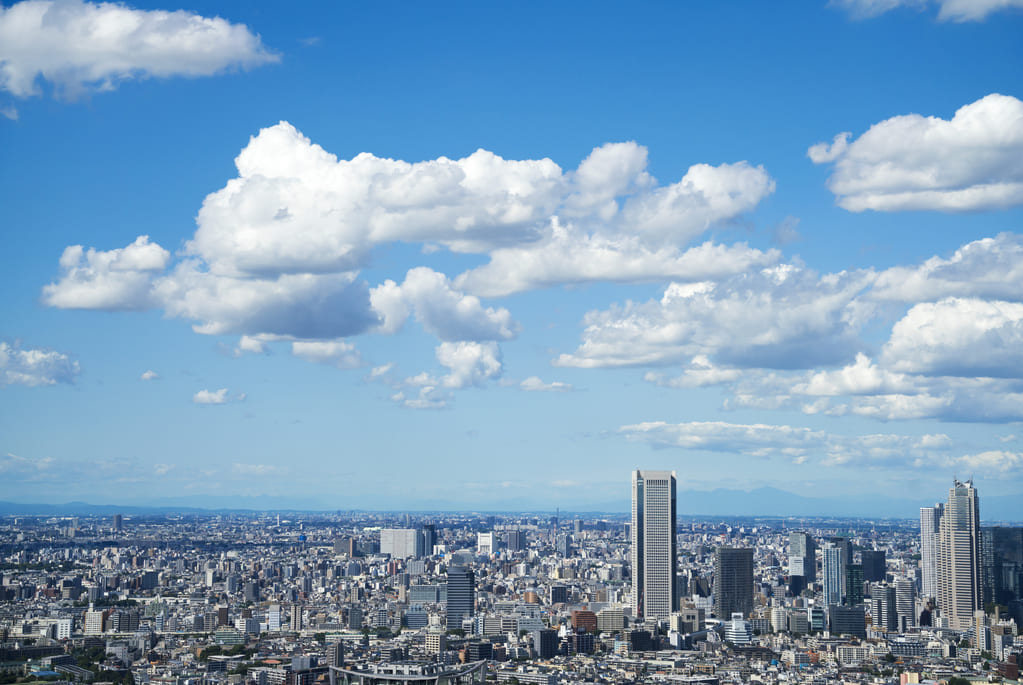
x: 518, y: 342
x: 304, y: 598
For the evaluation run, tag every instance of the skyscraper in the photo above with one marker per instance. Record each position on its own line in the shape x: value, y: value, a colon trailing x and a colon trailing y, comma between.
x: 833, y: 572
x: 803, y: 556
x: 875, y: 566
x: 654, y: 549
x: 461, y: 599
x: 930, y: 523
x: 733, y: 581
x: 959, y: 573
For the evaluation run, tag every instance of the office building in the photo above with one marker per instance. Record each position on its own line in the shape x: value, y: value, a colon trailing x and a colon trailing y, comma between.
x: 461, y: 597
x: 884, y: 607
x: 854, y: 584
x: 803, y: 557
x: 832, y: 571
x: 847, y: 621
x: 905, y: 603
x: 733, y: 581
x: 959, y: 572
x: 875, y: 566
x: 930, y: 526
x: 118, y: 523
x: 845, y: 548
x: 654, y: 543
x: 515, y: 540
x: 1002, y: 551
x: 401, y: 543
x: 428, y: 537
x: 485, y: 544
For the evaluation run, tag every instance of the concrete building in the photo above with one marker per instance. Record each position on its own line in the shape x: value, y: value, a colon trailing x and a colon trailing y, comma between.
x: 654, y: 551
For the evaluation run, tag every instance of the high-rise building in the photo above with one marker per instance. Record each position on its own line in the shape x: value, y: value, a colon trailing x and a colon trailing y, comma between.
x: 118, y: 523
x: 930, y: 526
x: 1002, y: 550
x: 654, y: 551
x: 461, y: 599
x: 515, y: 540
x: 400, y: 543
x: 428, y: 534
x: 875, y: 566
x: 854, y: 576
x: 959, y: 570
x: 803, y: 556
x: 845, y: 547
x: 904, y: 603
x: 832, y: 572
x: 733, y: 581
x: 485, y: 544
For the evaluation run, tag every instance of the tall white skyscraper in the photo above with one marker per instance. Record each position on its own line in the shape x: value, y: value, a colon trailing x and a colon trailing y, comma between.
x: 654, y: 549
x: 833, y: 571
x: 959, y: 572
x: 930, y: 523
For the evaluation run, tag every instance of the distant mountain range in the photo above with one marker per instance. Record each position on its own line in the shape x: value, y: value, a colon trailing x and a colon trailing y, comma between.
x: 719, y: 502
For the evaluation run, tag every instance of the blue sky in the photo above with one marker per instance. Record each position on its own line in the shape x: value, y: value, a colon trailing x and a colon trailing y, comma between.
x: 388, y: 255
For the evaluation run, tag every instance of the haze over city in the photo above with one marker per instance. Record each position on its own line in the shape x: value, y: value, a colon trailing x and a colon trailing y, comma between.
x: 396, y: 256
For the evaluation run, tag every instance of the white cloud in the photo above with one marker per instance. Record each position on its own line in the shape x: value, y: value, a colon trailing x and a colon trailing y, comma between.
x: 119, y: 279
x: 792, y: 443
x: 536, y: 384
x: 959, y: 337
x: 949, y: 10
x: 780, y: 317
x: 35, y: 366
x: 9, y: 112
x: 995, y: 462
x: 83, y: 47
x: 469, y: 363
x: 567, y: 255
x: 427, y: 397
x: 163, y: 469
x: 444, y: 312
x: 863, y: 377
x: 910, y: 162
x: 216, y: 397
x: 986, y: 268
x: 309, y: 306
x: 149, y: 375
x: 258, y: 469
x: 699, y: 373
x: 337, y: 353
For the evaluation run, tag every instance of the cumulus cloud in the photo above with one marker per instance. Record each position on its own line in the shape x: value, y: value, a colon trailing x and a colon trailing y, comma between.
x: 793, y: 443
x: 119, y: 279
x: 700, y: 372
x: 567, y: 255
x: 216, y: 397
x: 149, y: 375
x: 309, y: 306
x: 80, y: 47
x: 971, y: 162
x: 986, y: 268
x: 536, y: 384
x: 443, y: 311
x: 998, y: 462
x: 337, y: 353
x: 779, y: 317
x: 948, y: 10
x: 33, y: 366
x: 469, y: 363
x: 959, y: 337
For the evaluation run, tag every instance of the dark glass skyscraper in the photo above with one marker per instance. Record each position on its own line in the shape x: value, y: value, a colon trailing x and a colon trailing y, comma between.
x: 733, y: 581
x: 461, y: 599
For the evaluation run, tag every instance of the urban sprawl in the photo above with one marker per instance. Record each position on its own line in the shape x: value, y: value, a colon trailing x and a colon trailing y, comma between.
x: 301, y: 598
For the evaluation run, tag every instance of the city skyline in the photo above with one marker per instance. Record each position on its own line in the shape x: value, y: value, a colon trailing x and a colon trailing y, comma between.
x: 362, y: 249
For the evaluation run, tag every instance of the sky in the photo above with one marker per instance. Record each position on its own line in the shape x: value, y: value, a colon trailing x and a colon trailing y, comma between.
x: 406, y: 255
